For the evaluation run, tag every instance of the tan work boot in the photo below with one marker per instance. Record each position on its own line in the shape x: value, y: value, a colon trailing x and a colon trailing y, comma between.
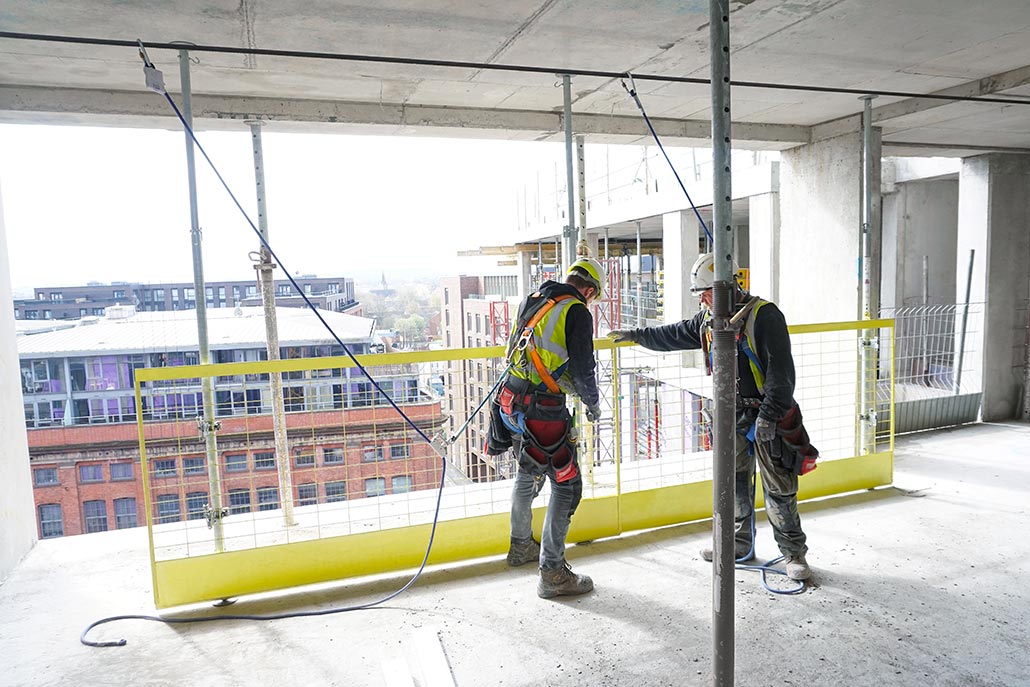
x: 797, y: 568
x: 522, y: 552
x: 742, y: 555
x: 562, y: 582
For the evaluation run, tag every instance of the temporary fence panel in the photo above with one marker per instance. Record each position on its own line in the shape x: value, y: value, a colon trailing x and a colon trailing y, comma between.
x: 364, y: 484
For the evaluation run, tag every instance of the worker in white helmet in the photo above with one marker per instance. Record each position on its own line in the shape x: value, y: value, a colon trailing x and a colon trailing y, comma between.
x: 551, y: 354
x: 769, y: 428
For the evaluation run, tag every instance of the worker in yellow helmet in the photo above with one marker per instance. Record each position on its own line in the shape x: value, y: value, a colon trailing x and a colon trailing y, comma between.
x: 769, y: 427
x: 550, y: 354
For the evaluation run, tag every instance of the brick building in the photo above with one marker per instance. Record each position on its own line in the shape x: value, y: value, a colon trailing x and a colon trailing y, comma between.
x: 344, y: 441
x: 475, y: 312
x: 74, y: 302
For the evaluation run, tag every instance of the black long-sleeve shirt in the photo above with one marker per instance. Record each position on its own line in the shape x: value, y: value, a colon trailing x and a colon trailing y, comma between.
x: 772, y: 346
x: 579, y: 341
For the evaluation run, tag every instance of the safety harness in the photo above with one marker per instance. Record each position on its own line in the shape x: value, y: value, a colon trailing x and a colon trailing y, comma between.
x: 538, y: 417
x: 801, y: 456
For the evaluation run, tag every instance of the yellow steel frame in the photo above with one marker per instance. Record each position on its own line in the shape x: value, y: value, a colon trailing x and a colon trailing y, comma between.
x: 234, y: 573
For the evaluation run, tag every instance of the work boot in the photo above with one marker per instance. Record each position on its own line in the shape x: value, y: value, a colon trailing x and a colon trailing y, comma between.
x: 742, y: 555
x: 562, y: 582
x: 522, y: 552
x: 797, y: 568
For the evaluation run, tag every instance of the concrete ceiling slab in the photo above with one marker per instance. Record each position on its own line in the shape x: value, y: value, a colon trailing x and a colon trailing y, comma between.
x: 917, y: 47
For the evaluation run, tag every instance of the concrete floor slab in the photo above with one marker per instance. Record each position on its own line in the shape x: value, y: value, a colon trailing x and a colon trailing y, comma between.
x: 923, y: 583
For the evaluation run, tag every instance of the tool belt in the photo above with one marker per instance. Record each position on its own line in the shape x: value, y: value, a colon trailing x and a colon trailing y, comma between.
x: 791, y: 448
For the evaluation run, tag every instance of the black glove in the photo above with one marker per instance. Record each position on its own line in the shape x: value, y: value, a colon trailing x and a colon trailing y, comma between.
x: 621, y: 335
x: 765, y: 430
x: 594, y: 413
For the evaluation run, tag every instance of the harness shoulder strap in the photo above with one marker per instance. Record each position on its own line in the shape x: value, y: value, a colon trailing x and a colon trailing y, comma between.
x: 538, y: 364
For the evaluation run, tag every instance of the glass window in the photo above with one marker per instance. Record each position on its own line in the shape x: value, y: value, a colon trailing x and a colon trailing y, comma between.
x: 332, y: 456
x: 307, y: 494
x: 306, y: 458
x: 124, y: 513
x: 235, y: 462
x: 45, y: 477
x: 371, y: 454
x: 400, y: 484
x: 91, y: 473
x: 264, y: 460
x: 399, y: 451
x: 164, y: 467
x: 95, y: 515
x: 375, y: 486
x: 335, y: 491
x: 196, y: 504
x: 51, y: 521
x: 268, y: 498
x: 239, y: 501
x: 193, y: 466
x: 121, y: 471
x: 168, y: 508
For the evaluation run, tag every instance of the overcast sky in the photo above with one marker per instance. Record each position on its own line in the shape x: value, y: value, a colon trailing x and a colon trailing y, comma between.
x: 104, y: 204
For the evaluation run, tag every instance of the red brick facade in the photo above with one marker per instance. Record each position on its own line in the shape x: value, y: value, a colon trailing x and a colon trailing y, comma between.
x: 349, y: 446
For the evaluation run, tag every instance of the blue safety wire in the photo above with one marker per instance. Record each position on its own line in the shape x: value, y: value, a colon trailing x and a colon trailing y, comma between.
x: 632, y: 90
x: 443, y: 471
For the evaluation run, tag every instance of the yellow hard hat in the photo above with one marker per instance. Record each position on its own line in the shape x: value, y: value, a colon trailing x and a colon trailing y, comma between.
x: 591, y: 270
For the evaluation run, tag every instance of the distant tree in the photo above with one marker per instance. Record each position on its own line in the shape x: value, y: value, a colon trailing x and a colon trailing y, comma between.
x: 412, y: 328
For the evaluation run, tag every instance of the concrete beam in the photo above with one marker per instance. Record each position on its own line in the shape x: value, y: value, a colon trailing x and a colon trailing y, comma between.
x: 988, y: 85
x: 32, y: 104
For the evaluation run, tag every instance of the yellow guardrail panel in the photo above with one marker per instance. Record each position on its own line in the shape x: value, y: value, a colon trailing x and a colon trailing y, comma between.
x: 365, y: 484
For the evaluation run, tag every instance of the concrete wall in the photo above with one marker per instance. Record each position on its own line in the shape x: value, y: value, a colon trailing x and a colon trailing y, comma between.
x: 680, y: 231
x: 820, y: 229
x: 764, y: 238
x: 17, y: 513
x: 920, y: 219
x: 994, y: 217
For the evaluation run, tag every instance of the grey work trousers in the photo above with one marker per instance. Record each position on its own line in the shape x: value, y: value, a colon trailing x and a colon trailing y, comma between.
x: 565, y: 497
x: 781, y: 499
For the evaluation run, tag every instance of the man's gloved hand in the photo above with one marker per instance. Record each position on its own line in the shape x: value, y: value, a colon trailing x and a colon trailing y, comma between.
x: 594, y: 413
x: 621, y: 335
x: 765, y: 430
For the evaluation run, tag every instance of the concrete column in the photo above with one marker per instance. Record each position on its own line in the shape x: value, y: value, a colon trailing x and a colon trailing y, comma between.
x: 764, y: 236
x: 17, y: 508
x: 993, y: 218
x: 920, y: 219
x: 679, y: 247
x: 525, y: 272
x: 820, y: 245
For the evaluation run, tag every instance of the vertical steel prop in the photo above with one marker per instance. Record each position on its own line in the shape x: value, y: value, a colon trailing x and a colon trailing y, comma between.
x: 264, y: 268
x: 206, y: 424
x: 869, y: 342
x: 724, y: 354
x: 569, y: 235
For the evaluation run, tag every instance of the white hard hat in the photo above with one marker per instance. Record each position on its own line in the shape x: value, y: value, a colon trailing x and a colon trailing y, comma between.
x: 591, y: 270
x: 702, y: 274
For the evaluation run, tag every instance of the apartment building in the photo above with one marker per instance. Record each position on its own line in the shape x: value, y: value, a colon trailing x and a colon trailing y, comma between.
x: 73, y: 302
x: 344, y: 440
x: 475, y: 312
